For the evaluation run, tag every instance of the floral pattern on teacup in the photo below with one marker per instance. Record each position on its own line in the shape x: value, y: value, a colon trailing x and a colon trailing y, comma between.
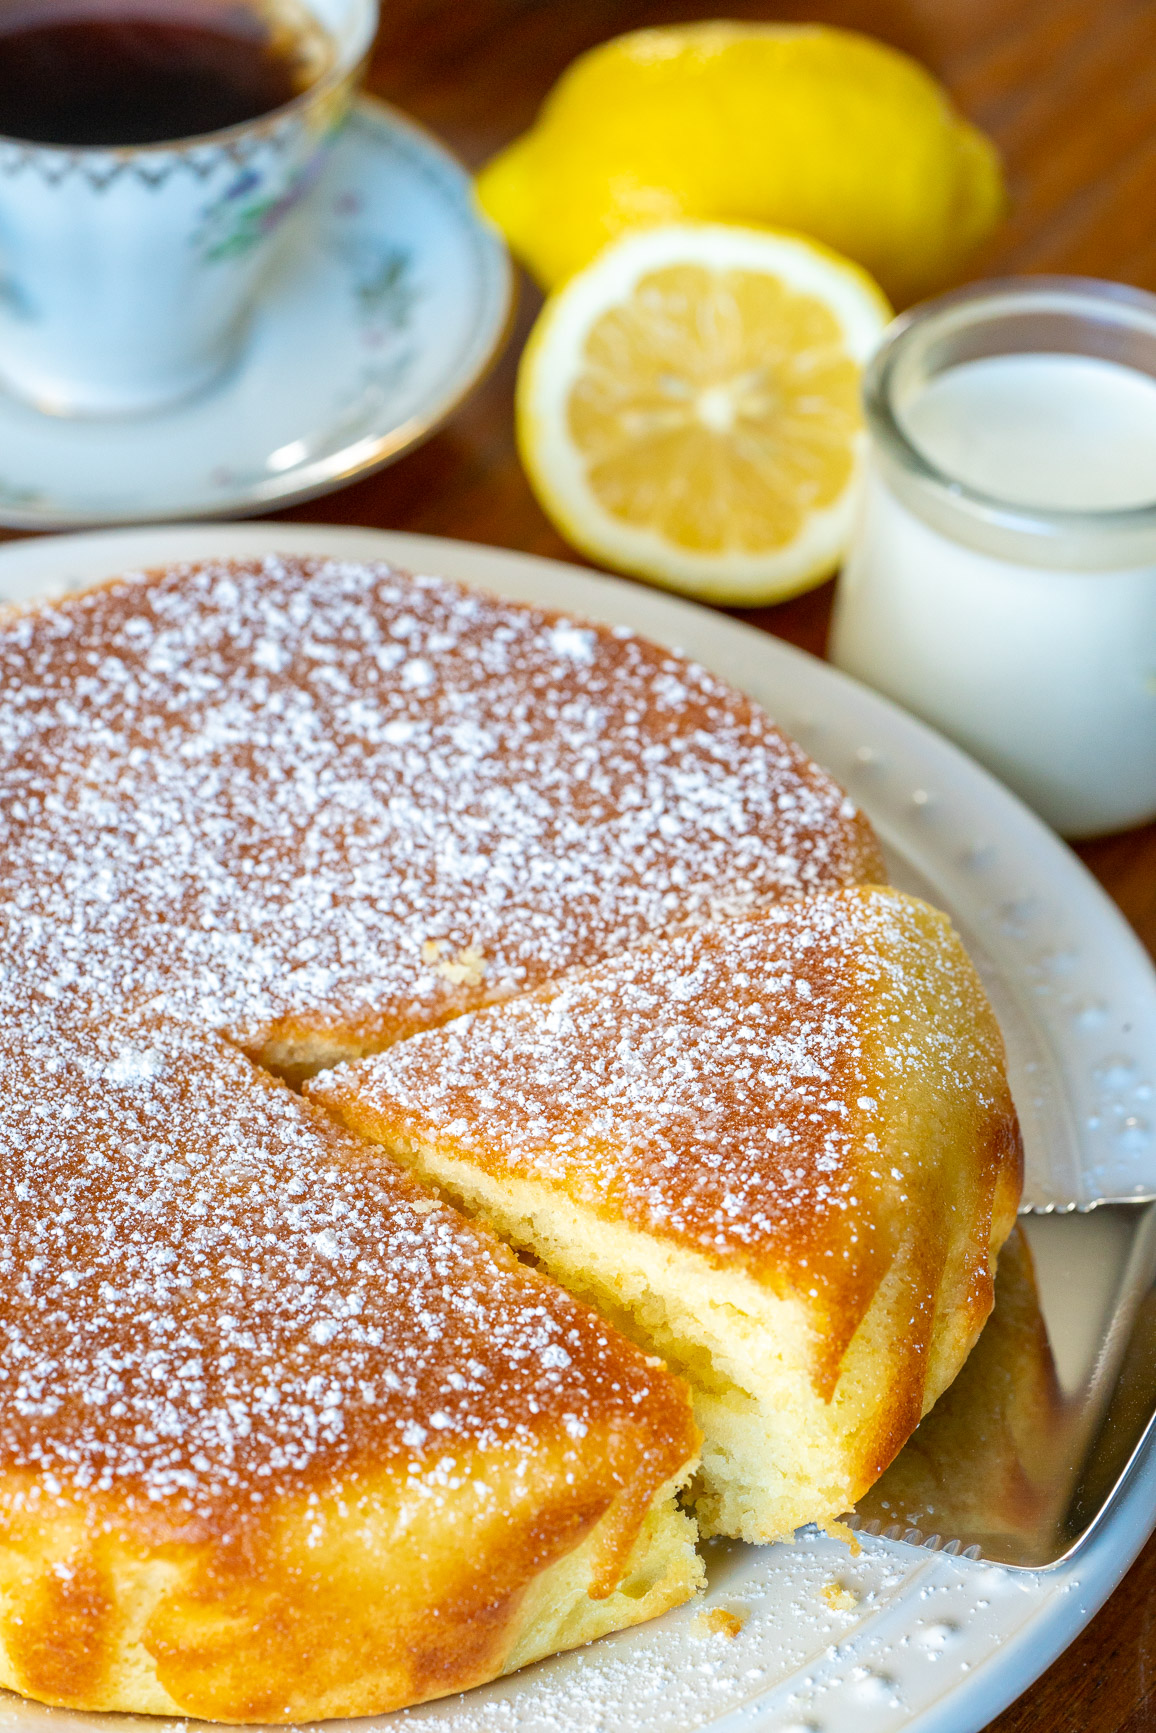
x: 245, y: 214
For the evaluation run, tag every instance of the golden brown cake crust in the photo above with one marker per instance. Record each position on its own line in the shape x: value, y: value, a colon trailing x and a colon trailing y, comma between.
x: 995, y: 1456
x: 237, y: 1342
x: 319, y: 805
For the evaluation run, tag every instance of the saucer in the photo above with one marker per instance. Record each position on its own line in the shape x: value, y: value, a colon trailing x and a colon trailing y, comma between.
x: 380, y: 316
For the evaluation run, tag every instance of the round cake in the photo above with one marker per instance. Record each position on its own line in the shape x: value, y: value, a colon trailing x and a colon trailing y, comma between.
x: 283, y: 1433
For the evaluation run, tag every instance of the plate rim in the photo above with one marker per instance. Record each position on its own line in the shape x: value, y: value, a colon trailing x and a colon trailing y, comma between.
x: 1069, y: 1593
x: 341, y: 469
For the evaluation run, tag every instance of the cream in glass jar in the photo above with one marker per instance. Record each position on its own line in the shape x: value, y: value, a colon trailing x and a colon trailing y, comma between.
x: 1002, y: 580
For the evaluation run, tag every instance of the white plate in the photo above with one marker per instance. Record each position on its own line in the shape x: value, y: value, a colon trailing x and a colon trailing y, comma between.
x: 381, y: 313
x: 935, y: 1644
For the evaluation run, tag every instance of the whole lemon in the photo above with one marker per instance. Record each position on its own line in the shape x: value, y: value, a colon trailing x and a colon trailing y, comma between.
x: 796, y: 126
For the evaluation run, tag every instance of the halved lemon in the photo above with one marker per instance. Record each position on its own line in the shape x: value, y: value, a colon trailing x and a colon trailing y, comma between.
x: 688, y: 408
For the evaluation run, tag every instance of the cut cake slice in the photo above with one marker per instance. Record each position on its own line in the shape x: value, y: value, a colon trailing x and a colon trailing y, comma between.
x: 282, y: 1436
x: 778, y: 1150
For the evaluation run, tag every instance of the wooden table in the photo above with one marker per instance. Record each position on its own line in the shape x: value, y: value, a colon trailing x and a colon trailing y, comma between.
x: 1068, y: 89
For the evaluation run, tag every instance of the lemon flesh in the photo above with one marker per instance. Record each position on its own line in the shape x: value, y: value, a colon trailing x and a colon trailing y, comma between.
x: 799, y: 127
x: 688, y: 408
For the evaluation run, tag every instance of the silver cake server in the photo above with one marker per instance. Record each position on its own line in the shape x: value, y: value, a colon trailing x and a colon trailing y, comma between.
x: 1023, y: 1456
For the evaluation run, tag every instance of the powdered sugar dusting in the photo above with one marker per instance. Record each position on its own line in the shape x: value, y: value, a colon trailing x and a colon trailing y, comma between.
x: 254, y: 794
x: 213, y: 1293
x: 721, y: 1088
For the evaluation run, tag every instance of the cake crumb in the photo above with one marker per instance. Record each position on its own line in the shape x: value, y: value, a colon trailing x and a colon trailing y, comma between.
x: 839, y: 1597
x: 840, y: 1531
x: 466, y: 969
x: 719, y: 1622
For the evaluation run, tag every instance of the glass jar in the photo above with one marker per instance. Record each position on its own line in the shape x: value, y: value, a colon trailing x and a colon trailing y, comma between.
x: 1002, y: 578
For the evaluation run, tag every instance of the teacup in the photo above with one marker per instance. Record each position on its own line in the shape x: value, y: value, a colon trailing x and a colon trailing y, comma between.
x: 127, y: 274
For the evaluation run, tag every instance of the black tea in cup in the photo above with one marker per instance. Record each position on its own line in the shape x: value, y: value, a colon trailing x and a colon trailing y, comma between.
x: 137, y: 72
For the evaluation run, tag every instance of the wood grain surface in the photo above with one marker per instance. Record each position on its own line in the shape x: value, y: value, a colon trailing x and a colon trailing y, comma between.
x: 1068, y: 90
